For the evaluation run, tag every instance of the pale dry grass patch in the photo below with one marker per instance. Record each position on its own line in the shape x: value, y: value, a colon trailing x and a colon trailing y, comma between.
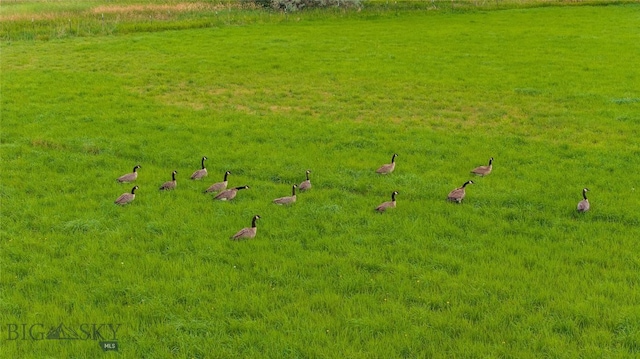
x: 36, y: 17
x: 188, y: 104
x: 132, y: 11
x: 217, y: 91
x: 181, y: 7
x: 245, y: 109
x: 185, y: 95
x: 468, y: 118
x: 280, y: 109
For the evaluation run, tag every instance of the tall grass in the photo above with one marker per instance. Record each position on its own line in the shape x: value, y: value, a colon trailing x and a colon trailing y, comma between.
x: 514, y: 271
x: 46, y: 20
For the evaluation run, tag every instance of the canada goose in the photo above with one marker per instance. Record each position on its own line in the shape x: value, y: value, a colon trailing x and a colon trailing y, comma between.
x: 169, y: 185
x: 129, y: 177
x: 201, y: 173
x: 389, y: 204
x: 127, y: 197
x: 229, y: 194
x: 583, y: 205
x: 457, y: 195
x: 287, y: 200
x: 484, y: 170
x: 305, y: 185
x: 220, y: 185
x: 389, y: 167
x: 247, y: 233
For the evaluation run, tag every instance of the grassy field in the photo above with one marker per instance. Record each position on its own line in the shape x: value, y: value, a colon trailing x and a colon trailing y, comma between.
x: 46, y: 19
x: 552, y: 93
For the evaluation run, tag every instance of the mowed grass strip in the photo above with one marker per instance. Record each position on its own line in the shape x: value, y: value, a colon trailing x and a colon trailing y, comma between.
x: 512, y: 271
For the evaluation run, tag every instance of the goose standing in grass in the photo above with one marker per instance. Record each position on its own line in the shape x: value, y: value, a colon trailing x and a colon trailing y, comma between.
x: 389, y: 167
x: 201, y: 173
x: 483, y: 170
x: 457, y: 195
x: 288, y: 199
x: 305, y: 185
x: 169, y: 185
x: 220, y: 186
x: 247, y: 233
x: 583, y: 205
x: 389, y: 204
x: 129, y: 177
x: 127, y: 197
x: 229, y: 194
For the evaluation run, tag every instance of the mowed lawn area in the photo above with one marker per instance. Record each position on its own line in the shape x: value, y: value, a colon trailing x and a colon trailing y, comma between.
x: 552, y: 94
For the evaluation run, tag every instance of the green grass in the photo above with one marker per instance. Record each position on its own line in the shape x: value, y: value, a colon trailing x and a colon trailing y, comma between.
x: 551, y: 93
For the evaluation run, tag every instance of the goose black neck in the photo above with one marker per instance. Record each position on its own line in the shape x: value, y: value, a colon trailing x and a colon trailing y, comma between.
x: 133, y: 190
x: 584, y: 194
x: 293, y: 190
x: 135, y: 169
x: 241, y: 187
x: 307, y: 176
x: 253, y: 222
x: 465, y: 184
x: 393, y: 196
x: 173, y: 175
x: 203, y: 159
x: 490, y: 161
x: 225, y: 176
x: 393, y: 158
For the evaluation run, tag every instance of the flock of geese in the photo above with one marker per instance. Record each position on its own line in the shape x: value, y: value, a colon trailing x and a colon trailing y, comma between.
x: 224, y: 194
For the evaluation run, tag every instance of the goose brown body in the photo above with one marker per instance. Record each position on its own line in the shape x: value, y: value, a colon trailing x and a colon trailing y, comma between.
x: 247, y: 233
x: 288, y: 199
x: 127, y: 197
x: 201, y: 173
x: 389, y: 167
x: 129, y: 177
x: 389, y: 204
x: 483, y: 170
x: 584, y: 205
x: 305, y: 185
x: 220, y: 186
x: 229, y: 194
x: 169, y: 185
x: 458, y: 194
